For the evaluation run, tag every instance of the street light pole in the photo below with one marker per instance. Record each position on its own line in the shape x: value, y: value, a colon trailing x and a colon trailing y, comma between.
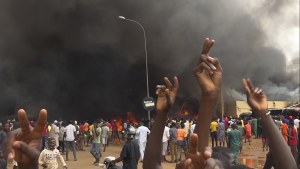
x: 145, y: 40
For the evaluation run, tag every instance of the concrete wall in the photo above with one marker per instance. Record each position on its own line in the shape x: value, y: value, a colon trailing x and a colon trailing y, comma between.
x: 236, y: 108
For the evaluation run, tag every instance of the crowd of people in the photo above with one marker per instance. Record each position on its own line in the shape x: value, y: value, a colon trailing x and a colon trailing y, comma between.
x: 31, y: 144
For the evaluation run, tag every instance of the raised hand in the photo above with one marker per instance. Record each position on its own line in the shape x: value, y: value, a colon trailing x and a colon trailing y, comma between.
x: 208, y: 70
x: 166, y: 95
x: 197, y: 160
x: 256, y: 98
x: 23, y: 144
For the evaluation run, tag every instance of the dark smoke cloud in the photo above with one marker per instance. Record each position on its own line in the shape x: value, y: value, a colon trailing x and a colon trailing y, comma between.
x: 78, y: 60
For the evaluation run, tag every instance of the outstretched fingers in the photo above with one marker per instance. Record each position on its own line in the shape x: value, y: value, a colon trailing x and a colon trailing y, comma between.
x: 176, y: 82
x: 248, y: 85
x: 168, y: 83
x: 24, y: 123
x: 42, y: 119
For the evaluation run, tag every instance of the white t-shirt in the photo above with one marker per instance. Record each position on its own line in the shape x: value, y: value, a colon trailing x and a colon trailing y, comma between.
x: 70, y: 129
x: 193, y: 128
x: 50, y: 157
x: 296, y: 123
x: 187, y: 126
x: 166, y: 134
x: 104, y: 132
x: 143, y: 133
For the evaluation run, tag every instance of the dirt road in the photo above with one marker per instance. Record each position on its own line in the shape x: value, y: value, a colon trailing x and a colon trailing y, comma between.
x: 252, y: 156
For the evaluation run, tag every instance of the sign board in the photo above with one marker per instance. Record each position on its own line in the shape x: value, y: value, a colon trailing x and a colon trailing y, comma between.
x: 149, y: 103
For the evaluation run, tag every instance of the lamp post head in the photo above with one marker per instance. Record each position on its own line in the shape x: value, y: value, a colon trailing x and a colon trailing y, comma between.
x: 122, y: 17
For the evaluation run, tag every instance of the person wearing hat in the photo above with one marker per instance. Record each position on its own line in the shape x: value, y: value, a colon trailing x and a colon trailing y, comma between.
x: 234, y: 141
x: 54, y: 132
x: 130, y: 153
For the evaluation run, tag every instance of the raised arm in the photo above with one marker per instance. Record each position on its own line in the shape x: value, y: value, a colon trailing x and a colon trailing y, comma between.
x: 208, y: 73
x: 257, y: 100
x: 166, y: 98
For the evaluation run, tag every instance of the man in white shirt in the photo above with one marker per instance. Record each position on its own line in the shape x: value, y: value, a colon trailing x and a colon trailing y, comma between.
x: 187, y: 125
x: 54, y: 132
x: 61, y: 138
x: 70, y: 140
x: 143, y: 132
x: 193, y: 127
x: 104, y: 135
x: 296, y: 122
x: 165, y: 138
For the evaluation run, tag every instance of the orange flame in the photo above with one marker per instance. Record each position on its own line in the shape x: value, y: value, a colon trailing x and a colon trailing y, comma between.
x: 118, y: 123
x: 186, y: 113
x: 130, y: 118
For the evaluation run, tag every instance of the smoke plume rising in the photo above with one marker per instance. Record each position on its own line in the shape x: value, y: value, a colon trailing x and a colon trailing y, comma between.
x: 78, y: 60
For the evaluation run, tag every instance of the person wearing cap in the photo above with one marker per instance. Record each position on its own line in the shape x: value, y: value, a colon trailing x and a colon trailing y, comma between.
x: 234, y: 141
x: 130, y: 153
x: 54, y: 132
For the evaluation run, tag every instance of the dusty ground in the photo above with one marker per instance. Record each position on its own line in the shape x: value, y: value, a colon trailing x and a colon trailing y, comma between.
x: 252, y: 156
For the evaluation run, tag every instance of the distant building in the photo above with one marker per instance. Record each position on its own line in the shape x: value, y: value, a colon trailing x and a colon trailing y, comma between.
x: 236, y: 108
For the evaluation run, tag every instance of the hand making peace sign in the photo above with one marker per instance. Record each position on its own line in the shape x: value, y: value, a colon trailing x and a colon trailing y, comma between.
x: 166, y: 95
x: 23, y: 144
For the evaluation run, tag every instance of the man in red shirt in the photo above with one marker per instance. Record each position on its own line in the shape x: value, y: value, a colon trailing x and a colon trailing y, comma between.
x: 293, y: 140
x: 115, y: 132
x: 44, y: 133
